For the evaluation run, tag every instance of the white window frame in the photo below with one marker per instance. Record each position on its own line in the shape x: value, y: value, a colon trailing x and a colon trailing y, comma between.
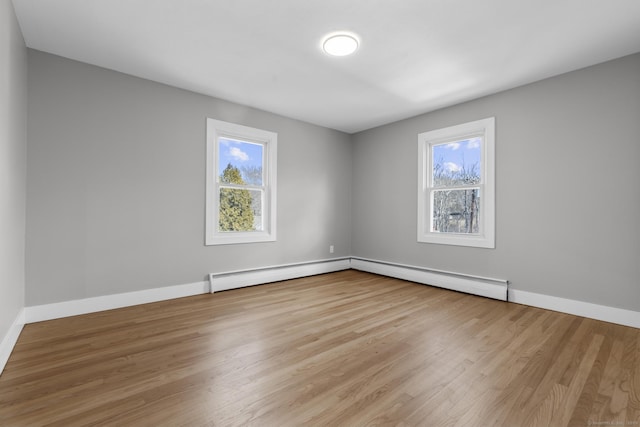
x: 484, y: 128
x: 217, y: 129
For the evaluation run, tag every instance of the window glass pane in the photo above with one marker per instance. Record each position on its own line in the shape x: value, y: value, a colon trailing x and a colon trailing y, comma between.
x: 256, y: 207
x: 240, y: 162
x: 457, y: 163
x: 236, y: 210
x: 456, y: 211
x: 240, y: 210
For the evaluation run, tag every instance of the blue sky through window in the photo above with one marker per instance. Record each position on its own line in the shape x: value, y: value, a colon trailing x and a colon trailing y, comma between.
x: 453, y: 156
x: 240, y: 154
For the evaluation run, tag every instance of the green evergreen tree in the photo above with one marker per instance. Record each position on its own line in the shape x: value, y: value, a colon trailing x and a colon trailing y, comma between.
x: 236, y: 213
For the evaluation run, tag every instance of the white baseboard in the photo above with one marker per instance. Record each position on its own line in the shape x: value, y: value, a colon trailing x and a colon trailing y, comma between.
x: 483, y: 286
x: 578, y: 308
x: 223, y: 281
x: 487, y: 287
x: 258, y: 276
x: 10, y: 339
x: 58, y: 310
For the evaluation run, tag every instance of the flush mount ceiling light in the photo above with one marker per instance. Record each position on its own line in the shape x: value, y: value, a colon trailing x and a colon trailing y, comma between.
x: 340, y: 44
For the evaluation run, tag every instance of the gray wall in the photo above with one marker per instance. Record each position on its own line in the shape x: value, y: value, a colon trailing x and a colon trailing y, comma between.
x: 13, y: 148
x: 116, y: 185
x: 568, y: 202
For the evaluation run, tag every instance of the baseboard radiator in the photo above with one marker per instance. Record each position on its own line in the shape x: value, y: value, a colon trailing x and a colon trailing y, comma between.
x: 476, y: 285
x: 483, y: 286
x: 258, y: 276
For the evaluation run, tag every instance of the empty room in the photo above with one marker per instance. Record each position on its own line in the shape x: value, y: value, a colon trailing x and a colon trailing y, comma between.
x: 319, y: 213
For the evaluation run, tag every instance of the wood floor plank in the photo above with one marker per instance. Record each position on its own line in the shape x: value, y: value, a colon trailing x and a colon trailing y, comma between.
x: 633, y: 408
x: 581, y: 412
x: 341, y: 349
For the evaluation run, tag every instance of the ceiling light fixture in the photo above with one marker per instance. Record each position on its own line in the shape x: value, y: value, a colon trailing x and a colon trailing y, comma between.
x: 340, y: 44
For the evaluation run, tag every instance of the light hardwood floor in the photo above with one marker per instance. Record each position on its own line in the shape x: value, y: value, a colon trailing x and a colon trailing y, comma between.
x: 341, y: 349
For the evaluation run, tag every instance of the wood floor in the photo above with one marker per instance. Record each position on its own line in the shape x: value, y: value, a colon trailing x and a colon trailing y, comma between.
x: 342, y: 349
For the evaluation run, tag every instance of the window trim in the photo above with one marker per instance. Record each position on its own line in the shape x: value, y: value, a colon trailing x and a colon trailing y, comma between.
x: 486, y: 237
x: 217, y: 129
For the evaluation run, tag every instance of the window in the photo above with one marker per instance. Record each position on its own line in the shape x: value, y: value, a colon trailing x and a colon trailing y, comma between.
x: 241, y: 184
x: 456, y: 189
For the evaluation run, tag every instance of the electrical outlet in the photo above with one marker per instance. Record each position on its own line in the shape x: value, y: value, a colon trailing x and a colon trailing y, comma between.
x: 331, y: 249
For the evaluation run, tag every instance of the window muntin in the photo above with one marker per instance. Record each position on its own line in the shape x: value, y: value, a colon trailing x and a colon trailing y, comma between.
x: 456, y: 185
x: 240, y: 184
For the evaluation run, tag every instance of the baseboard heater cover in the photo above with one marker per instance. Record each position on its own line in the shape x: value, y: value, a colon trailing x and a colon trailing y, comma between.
x: 258, y: 276
x: 475, y: 285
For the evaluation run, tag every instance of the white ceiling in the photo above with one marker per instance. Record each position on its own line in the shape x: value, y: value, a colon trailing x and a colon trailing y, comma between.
x: 415, y: 55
